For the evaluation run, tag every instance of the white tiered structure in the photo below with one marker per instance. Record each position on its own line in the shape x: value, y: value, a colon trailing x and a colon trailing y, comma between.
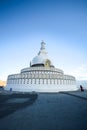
x: 41, y: 76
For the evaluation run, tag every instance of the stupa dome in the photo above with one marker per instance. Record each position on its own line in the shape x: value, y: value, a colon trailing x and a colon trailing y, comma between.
x: 42, y: 58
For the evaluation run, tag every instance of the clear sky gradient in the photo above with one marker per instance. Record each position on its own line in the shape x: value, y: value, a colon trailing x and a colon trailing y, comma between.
x: 62, y: 24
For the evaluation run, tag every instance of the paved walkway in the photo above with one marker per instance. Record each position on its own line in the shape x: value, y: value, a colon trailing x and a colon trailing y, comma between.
x: 78, y: 94
x: 60, y: 111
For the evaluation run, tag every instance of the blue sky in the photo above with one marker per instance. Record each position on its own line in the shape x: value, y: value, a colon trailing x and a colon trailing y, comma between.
x: 62, y: 24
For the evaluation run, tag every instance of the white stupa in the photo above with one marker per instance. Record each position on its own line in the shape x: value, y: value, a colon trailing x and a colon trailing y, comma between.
x: 41, y: 76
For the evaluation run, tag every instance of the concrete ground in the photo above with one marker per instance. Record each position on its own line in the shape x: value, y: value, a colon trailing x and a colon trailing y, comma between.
x: 55, y: 111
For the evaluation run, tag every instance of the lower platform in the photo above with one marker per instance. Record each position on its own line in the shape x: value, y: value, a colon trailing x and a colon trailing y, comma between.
x: 41, y: 88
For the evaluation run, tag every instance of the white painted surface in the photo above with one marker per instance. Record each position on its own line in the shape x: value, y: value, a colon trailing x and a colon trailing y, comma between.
x: 41, y: 88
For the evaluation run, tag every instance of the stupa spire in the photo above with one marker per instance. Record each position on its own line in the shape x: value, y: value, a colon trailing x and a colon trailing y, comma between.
x: 42, y: 49
x: 42, y: 45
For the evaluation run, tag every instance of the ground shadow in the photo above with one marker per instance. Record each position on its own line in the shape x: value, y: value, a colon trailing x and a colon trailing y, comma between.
x: 7, y: 108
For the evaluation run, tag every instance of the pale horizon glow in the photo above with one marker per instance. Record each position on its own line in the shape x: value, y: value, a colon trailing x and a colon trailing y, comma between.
x: 62, y: 24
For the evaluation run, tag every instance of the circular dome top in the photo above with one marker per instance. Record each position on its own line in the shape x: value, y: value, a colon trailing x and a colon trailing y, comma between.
x: 42, y: 58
